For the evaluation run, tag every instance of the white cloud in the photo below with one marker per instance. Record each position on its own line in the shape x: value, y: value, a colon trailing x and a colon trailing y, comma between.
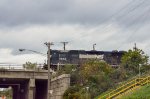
x: 7, y: 57
x: 80, y: 22
x: 34, y: 36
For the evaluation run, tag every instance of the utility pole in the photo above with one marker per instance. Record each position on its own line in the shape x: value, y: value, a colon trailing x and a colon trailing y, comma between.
x: 94, y: 46
x: 135, y: 48
x: 48, y: 44
x: 64, y: 43
x: 140, y: 70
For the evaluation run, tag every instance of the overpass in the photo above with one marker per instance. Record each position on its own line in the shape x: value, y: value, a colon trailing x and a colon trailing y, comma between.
x: 32, y: 84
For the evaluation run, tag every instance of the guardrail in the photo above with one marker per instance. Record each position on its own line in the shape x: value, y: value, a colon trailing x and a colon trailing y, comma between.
x: 126, y: 87
x: 16, y: 66
x: 10, y: 66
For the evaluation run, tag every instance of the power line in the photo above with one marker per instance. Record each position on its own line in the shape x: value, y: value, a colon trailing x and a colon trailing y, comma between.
x: 120, y: 10
x: 128, y: 12
x: 124, y: 14
x: 138, y: 27
x: 132, y: 9
x: 112, y: 17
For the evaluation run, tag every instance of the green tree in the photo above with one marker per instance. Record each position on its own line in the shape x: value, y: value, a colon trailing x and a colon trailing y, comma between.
x: 67, y: 69
x: 132, y: 59
x: 94, y: 67
x: 73, y: 70
x: 7, y: 92
x: 29, y: 65
x: 94, y: 75
x: 72, y: 93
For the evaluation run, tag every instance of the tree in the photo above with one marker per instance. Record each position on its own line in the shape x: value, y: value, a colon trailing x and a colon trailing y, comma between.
x: 132, y: 59
x: 72, y: 93
x: 94, y: 67
x: 67, y: 69
x: 7, y: 92
x: 29, y: 65
x: 93, y: 74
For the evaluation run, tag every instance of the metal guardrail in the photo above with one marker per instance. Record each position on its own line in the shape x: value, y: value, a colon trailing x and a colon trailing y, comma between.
x: 125, y: 87
x: 16, y: 66
x: 116, y: 90
x: 11, y: 66
x: 20, y: 67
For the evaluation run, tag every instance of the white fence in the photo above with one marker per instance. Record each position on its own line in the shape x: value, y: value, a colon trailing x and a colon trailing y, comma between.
x: 11, y: 66
x: 16, y: 66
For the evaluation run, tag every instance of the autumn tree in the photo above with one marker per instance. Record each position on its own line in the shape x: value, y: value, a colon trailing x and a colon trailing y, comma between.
x: 94, y: 68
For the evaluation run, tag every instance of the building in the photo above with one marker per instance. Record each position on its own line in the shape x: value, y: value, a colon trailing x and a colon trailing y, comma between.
x: 75, y: 57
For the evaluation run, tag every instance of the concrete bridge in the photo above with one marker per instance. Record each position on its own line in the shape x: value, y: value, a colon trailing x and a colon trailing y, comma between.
x: 32, y: 84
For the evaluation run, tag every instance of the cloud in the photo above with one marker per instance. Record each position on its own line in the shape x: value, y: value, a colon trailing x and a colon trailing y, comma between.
x: 111, y: 24
x: 33, y: 37
x: 78, y: 36
x: 18, y: 12
x: 7, y: 58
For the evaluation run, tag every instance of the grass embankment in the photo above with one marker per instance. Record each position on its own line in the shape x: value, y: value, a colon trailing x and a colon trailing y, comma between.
x: 142, y: 93
x: 115, y: 87
x: 122, y: 83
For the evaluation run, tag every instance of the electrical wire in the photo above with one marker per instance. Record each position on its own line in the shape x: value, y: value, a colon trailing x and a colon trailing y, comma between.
x: 128, y: 12
x: 124, y: 14
x: 138, y: 20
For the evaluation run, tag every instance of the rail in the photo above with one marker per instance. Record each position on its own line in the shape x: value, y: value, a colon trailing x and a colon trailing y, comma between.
x: 16, y: 67
x: 130, y: 85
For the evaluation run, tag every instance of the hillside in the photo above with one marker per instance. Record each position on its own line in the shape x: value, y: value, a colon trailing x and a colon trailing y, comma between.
x: 138, y: 87
x: 142, y: 93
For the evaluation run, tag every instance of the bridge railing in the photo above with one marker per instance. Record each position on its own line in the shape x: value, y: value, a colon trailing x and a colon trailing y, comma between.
x: 10, y: 66
x: 17, y: 67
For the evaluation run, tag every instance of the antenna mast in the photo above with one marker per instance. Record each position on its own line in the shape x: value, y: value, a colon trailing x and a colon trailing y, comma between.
x: 135, y: 48
x: 64, y: 44
x: 94, y: 46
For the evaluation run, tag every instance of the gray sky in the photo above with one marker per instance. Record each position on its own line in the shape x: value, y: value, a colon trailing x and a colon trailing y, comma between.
x: 111, y: 24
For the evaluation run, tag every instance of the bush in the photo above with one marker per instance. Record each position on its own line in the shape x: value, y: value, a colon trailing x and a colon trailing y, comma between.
x: 97, y: 75
x: 72, y: 93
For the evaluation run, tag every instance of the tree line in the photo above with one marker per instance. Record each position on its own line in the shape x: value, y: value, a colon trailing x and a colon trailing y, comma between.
x: 95, y: 77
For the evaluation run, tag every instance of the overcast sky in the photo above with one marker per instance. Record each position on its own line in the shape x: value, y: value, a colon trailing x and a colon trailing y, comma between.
x: 111, y: 24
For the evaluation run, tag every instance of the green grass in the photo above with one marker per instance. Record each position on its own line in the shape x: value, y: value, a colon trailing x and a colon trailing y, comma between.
x: 117, y: 86
x: 122, y: 83
x: 142, y: 93
x: 104, y: 93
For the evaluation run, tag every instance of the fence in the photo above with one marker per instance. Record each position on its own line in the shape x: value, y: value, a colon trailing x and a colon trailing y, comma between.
x: 17, y: 66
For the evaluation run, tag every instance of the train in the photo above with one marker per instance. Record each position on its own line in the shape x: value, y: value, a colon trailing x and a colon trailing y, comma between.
x: 76, y: 57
